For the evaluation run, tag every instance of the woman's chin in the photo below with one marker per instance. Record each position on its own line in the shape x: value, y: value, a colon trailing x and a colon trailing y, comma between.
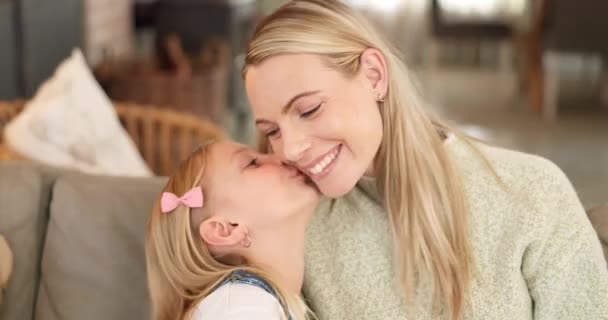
x: 337, y: 189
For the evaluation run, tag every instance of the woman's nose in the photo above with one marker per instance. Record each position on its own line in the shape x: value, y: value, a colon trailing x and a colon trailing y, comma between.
x: 294, y: 145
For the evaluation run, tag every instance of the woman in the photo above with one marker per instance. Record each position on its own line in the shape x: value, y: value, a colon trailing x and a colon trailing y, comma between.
x: 425, y: 223
x: 225, y: 239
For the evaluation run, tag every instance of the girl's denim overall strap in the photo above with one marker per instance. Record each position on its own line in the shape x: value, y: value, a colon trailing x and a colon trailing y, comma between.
x: 244, y: 277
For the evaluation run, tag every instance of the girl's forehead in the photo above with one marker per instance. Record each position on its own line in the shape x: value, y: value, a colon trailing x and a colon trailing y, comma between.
x: 225, y: 151
x: 222, y: 158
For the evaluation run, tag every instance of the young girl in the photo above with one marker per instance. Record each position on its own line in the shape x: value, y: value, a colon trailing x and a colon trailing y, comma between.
x: 226, y: 238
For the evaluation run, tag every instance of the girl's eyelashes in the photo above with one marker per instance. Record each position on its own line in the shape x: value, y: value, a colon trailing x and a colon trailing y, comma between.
x: 253, y: 163
x: 272, y: 133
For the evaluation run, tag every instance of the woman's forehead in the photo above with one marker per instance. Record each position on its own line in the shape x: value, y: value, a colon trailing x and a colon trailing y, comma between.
x: 286, y: 72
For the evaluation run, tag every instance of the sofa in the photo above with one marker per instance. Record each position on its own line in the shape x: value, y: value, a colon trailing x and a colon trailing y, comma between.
x: 78, y: 243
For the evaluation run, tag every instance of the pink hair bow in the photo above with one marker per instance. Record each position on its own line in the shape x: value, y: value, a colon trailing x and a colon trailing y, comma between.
x: 191, y: 199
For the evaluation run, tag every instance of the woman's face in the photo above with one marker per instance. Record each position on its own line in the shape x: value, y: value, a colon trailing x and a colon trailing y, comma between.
x: 254, y: 188
x: 327, y: 125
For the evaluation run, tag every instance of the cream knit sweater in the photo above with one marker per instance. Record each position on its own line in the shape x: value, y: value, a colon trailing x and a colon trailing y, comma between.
x: 536, y: 255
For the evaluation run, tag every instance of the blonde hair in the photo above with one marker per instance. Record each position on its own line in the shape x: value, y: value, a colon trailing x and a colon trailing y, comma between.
x: 181, y: 269
x: 420, y: 186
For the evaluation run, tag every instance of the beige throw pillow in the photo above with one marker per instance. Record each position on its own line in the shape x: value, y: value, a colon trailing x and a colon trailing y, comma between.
x: 71, y: 123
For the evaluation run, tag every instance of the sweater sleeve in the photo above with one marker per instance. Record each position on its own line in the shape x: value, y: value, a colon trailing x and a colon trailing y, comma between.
x: 563, y: 265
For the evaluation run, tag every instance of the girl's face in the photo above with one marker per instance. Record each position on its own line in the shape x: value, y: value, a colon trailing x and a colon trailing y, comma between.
x: 325, y: 124
x: 255, y: 189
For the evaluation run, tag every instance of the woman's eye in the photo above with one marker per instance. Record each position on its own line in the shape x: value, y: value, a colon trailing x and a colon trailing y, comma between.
x: 310, y: 112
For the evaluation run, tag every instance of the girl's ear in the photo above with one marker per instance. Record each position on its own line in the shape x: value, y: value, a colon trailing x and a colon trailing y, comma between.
x: 221, y: 234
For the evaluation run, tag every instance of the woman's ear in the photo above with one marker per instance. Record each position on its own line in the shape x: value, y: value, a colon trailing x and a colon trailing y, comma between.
x: 220, y: 233
x: 375, y: 70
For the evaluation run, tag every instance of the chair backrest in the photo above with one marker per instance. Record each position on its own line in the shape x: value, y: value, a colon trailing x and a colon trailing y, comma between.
x: 163, y: 137
x: 577, y: 26
x: 442, y: 28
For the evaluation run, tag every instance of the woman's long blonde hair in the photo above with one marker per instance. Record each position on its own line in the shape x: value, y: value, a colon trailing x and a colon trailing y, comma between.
x: 181, y: 269
x: 420, y: 186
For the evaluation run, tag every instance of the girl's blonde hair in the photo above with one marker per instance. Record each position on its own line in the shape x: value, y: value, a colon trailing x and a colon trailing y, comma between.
x: 421, y: 189
x: 181, y: 269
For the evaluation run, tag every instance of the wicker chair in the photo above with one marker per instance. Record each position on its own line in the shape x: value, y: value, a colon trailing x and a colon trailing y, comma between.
x: 8, y: 110
x: 163, y: 137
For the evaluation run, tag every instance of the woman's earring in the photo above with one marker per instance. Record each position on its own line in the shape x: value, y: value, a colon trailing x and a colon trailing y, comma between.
x: 246, y: 242
x: 380, y: 98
